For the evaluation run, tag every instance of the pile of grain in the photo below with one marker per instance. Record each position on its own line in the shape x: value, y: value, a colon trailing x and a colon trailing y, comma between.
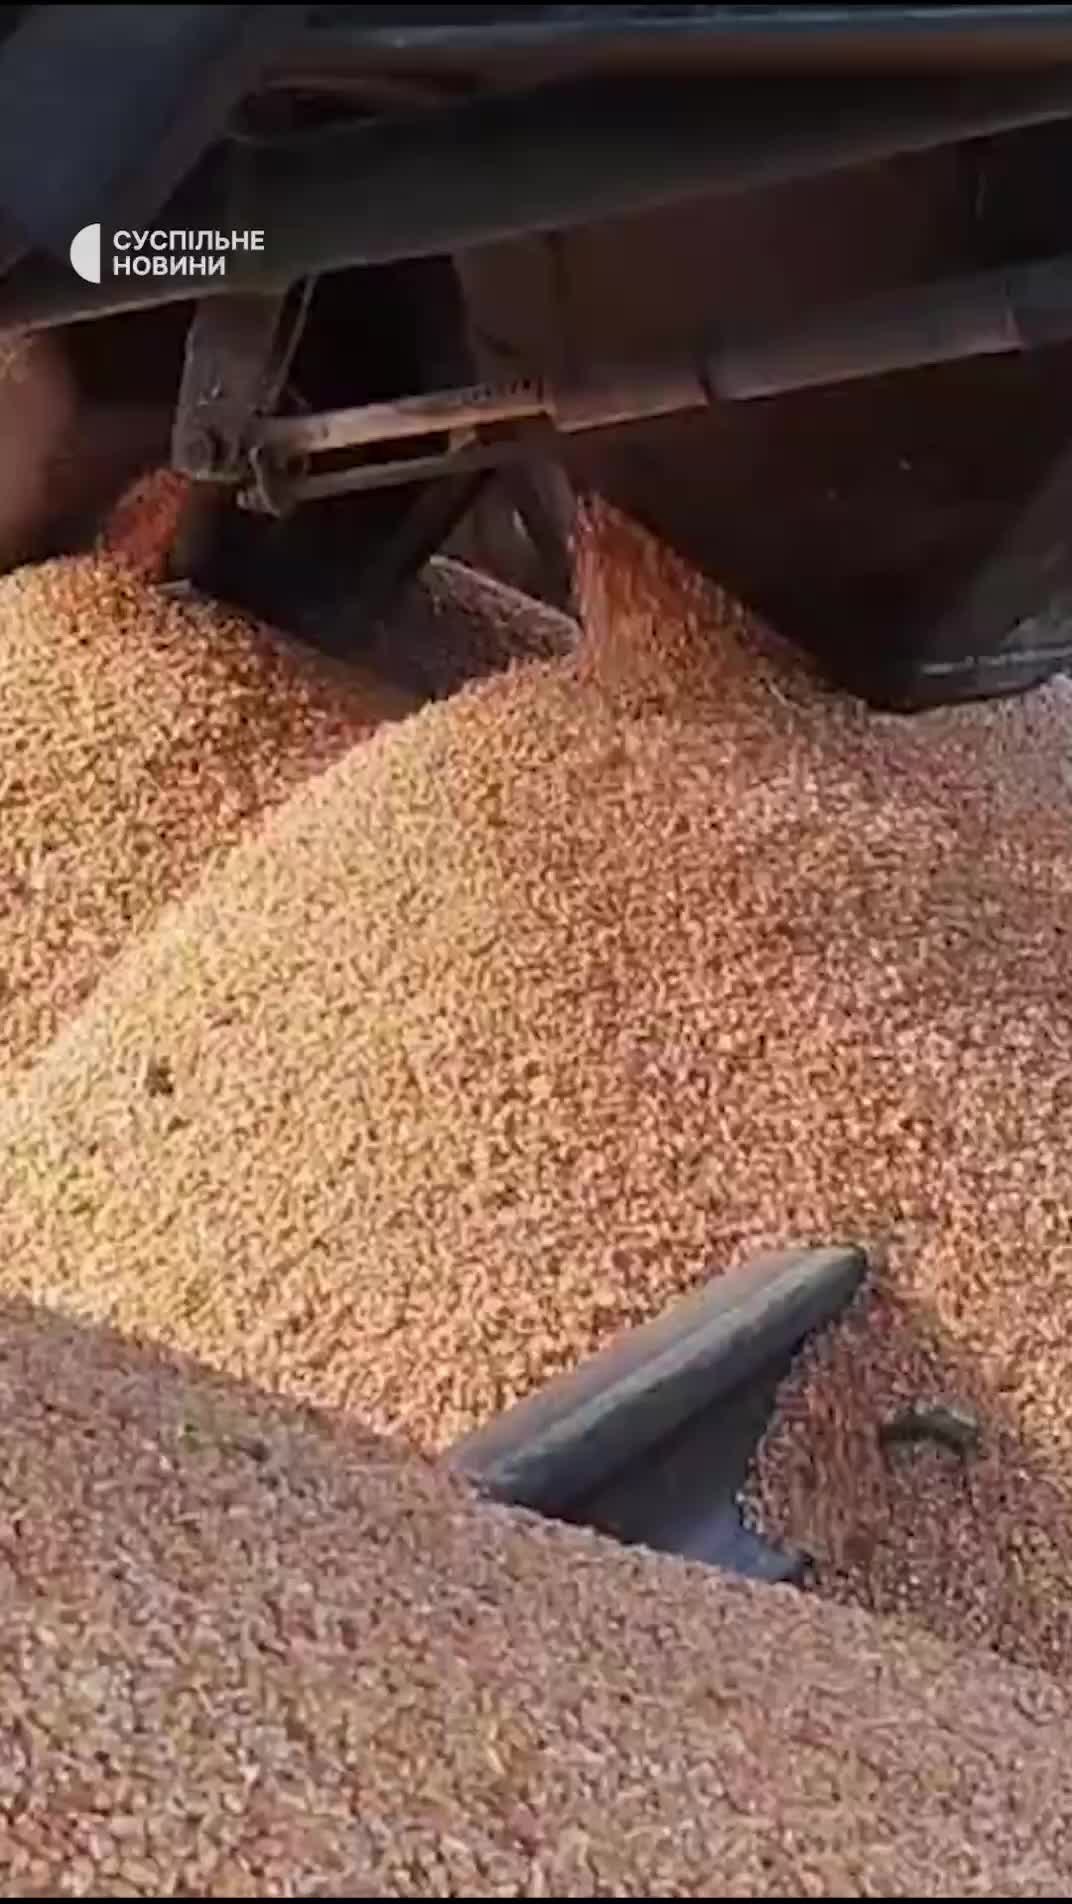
x: 138, y: 737
x: 255, y: 1655
x: 564, y: 993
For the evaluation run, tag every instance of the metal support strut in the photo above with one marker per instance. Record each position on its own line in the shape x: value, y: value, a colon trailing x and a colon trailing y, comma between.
x: 484, y: 426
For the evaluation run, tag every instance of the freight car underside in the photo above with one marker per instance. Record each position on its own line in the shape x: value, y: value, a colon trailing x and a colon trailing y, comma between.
x: 814, y: 328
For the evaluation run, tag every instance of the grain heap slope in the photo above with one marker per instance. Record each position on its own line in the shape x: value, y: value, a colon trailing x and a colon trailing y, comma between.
x: 139, y: 737
x: 572, y: 989
x: 254, y: 1655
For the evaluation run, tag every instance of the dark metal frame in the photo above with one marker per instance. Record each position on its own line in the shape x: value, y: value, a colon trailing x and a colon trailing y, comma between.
x: 456, y: 177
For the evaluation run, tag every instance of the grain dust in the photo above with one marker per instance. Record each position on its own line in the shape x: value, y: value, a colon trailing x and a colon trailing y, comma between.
x: 38, y: 411
x: 142, y: 527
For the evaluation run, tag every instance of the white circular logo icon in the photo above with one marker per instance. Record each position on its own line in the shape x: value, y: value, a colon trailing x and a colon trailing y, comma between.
x: 85, y: 253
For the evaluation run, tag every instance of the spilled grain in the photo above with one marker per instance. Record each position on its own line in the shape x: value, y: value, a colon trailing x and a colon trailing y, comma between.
x: 261, y: 1655
x: 570, y: 990
x: 138, y: 738
x: 143, y: 524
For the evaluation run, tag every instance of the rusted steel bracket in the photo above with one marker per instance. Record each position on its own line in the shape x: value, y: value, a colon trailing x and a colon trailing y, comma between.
x: 239, y: 350
x: 483, y: 426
